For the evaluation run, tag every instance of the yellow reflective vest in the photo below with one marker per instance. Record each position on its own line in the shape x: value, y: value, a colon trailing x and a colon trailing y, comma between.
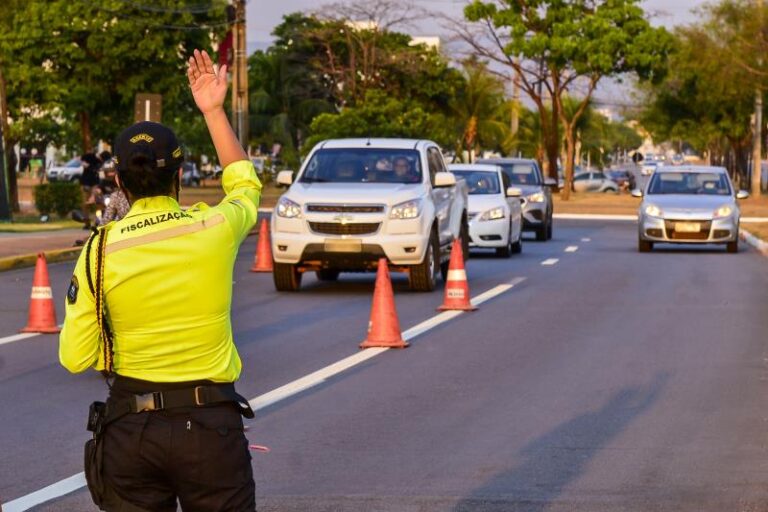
x: 167, y: 281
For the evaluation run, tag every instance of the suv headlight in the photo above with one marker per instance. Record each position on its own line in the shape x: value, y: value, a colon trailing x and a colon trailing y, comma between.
x: 288, y: 209
x: 537, y: 197
x: 653, y: 210
x: 723, y: 211
x: 494, y: 214
x: 407, y: 210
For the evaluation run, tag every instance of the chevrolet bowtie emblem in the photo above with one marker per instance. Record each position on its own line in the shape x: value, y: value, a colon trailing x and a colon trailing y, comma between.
x: 344, y: 219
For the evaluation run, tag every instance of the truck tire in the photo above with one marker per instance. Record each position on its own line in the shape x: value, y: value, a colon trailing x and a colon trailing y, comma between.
x: 517, y: 247
x: 541, y: 232
x: 549, y: 228
x: 327, y: 274
x: 422, y: 277
x: 507, y: 250
x: 287, y: 277
x: 644, y: 245
x: 732, y: 247
x: 464, y: 237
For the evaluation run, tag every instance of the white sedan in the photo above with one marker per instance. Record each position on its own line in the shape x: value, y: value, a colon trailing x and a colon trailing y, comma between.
x: 495, y: 209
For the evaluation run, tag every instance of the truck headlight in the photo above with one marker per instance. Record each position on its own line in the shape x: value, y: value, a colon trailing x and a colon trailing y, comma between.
x: 723, y: 211
x: 494, y: 214
x: 406, y: 210
x: 537, y: 197
x: 653, y: 210
x: 288, y: 209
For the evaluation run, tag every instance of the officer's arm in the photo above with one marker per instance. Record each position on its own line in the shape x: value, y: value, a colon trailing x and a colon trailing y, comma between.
x: 79, y: 339
x: 241, y: 204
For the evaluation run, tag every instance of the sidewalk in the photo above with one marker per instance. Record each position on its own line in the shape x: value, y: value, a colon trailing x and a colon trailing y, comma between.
x: 15, y: 244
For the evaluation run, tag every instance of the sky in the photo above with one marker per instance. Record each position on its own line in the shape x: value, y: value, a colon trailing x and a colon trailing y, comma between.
x: 263, y: 15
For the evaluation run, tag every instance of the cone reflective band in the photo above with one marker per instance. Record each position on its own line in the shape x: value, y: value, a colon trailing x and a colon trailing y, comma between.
x: 456, y: 285
x: 42, y: 313
x: 262, y: 261
x: 384, y: 326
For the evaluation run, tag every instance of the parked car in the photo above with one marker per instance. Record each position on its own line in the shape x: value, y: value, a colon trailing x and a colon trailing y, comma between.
x: 594, y: 181
x: 689, y: 205
x: 495, y: 209
x: 537, y: 193
x: 71, y: 171
x: 623, y: 178
x: 355, y: 201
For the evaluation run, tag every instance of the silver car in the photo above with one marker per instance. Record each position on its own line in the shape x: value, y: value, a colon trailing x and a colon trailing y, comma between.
x: 689, y: 205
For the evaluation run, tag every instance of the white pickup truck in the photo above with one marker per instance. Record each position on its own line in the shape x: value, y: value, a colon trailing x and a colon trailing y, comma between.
x: 357, y: 200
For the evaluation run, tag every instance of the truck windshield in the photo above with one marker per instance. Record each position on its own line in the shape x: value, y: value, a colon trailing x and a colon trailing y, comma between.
x: 521, y: 174
x: 480, y: 182
x: 689, y: 183
x: 363, y: 165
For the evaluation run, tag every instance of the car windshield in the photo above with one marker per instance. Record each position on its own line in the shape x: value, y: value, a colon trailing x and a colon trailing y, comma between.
x: 363, y: 165
x: 521, y: 174
x: 480, y: 182
x: 75, y: 162
x: 698, y: 183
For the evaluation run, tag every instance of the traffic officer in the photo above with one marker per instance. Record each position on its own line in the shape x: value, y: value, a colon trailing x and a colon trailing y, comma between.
x: 149, y: 307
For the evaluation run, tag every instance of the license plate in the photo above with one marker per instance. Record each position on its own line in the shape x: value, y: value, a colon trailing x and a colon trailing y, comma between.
x: 343, y: 245
x: 687, y: 227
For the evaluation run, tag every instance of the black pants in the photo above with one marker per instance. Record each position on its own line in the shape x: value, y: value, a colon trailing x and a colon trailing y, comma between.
x: 198, y: 455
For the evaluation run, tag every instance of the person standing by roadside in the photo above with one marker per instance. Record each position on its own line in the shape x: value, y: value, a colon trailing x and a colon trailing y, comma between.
x: 149, y: 306
x: 88, y: 180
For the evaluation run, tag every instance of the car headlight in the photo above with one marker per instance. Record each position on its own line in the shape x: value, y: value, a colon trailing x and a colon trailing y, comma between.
x: 653, y: 210
x: 407, y: 210
x: 723, y: 211
x: 494, y: 214
x: 537, y: 197
x: 288, y: 209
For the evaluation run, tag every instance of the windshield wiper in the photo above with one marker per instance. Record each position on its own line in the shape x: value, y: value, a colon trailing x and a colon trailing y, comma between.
x: 314, y: 180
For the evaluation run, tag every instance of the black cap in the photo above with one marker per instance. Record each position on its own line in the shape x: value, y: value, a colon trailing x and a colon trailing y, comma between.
x: 148, y: 138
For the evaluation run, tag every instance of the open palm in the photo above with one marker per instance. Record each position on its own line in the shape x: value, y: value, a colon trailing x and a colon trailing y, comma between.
x: 209, y: 87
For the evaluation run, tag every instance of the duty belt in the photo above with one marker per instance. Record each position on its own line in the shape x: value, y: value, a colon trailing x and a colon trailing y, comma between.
x: 197, y: 396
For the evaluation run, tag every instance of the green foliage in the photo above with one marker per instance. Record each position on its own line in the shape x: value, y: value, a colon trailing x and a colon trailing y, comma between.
x: 60, y: 197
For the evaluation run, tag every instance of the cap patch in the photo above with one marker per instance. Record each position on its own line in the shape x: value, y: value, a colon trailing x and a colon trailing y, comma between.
x: 142, y: 136
x: 177, y: 153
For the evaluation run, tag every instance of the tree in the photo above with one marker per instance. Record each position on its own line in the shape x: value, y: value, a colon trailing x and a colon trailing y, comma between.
x: 557, y: 46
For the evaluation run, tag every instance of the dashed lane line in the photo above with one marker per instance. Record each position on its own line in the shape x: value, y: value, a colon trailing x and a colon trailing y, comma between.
x: 572, y: 248
x: 76, y: 482
x: 17, y: 337
x: 549, y: 262
x: 586, y: 240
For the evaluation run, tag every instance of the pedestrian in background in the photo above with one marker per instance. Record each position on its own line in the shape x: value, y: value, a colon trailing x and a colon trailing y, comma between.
x: 149, y: 306
x: 88, y: 180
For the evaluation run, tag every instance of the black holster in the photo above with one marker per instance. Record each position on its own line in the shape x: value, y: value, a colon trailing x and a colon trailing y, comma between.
x: 94, y: 452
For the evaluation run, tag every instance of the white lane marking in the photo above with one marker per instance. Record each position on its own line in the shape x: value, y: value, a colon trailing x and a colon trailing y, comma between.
x: 77, y: 481
x: 17, y: 337
x: 593, y: 216
x: 550, y: 261
x: 572, y: 248
x: 36, y: 498
x: 586, y: 239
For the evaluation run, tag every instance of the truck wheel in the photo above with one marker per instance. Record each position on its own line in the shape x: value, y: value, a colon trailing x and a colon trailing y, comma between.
x: 327, y: 274
x: 732, y: 247
x: 517, y: 247
x: 464, y: 237
x: 549, y: 228
x: 422, y: 277
x: 506, y: 251
x: 541, y: 232
x: 644, y: 245
x: 287, y: 277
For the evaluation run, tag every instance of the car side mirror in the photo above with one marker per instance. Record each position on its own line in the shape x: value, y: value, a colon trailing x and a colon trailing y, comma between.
x: 550, y: 182
x: 637, y: 193
x: 444, y: 179
x: 285, y: 178
x: 742, y: 194
x: 514, y: 192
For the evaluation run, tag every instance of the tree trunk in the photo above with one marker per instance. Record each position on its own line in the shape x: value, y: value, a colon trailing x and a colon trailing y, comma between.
x: 570, y: 154
x: 85, y: 131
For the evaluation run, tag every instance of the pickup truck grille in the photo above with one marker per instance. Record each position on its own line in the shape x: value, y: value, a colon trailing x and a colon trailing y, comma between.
x: 343, y: 208
x: 337, y: 228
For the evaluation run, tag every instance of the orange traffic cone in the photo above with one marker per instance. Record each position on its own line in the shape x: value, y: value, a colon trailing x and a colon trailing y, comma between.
x: 456, y: 286
x: 263, y: 260
x: 384, y: 327
x: 42, y: 314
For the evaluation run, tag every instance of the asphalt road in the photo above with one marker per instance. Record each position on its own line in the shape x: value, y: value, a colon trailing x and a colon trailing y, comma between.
x: 607, y: 380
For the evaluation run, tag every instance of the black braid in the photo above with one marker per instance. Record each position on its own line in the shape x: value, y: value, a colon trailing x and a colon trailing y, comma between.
x: 88, y: 262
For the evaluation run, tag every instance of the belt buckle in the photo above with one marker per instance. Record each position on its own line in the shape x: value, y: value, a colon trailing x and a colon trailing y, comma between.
x: 149, y: 402
x: 198, y: 396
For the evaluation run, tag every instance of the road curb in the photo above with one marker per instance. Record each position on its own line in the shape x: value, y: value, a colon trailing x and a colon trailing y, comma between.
x: 760, y: 245
x: 29, y: 260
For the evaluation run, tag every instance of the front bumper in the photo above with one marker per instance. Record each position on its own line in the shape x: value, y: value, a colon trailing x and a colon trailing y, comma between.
x: 654, y: 229
x: 534, y: 215
x: 489, y: 233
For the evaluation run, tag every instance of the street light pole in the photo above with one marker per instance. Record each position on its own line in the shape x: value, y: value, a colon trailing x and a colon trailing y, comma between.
x: 240, y: 75
x: 757, y: 150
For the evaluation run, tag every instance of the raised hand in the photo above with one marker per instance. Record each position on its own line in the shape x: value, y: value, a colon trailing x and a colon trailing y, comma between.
x: 209, y: 86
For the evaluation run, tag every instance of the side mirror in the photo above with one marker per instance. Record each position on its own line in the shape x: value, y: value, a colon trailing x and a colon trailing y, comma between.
x: 742, y: 194
x: 514, y: 192
x: 285, y: 178
x: 637, y: 193
x: 444, y: 179
x: 550, y: 182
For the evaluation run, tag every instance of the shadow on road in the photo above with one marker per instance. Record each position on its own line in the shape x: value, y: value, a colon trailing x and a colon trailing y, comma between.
x: 559, y: 457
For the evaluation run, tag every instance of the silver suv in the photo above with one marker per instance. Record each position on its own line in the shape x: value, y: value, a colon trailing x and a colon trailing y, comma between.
x: 525, y: 174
